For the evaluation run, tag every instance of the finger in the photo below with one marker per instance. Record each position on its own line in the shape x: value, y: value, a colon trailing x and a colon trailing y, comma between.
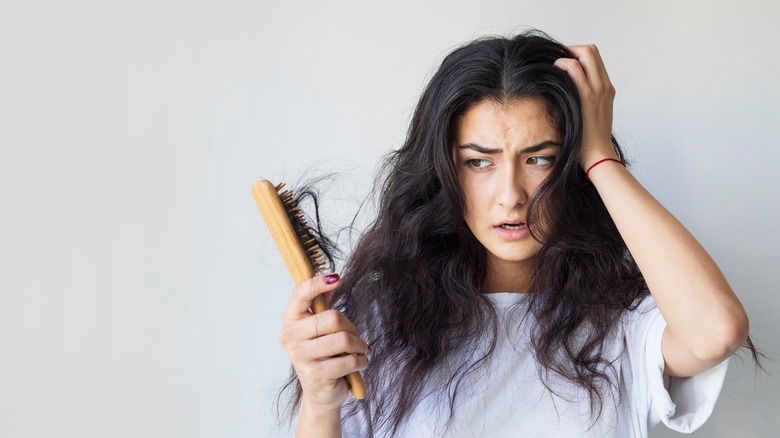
x: 343, y: 365
x: 305, y: 292
x: 577, y: 74
x: 589, y: 64
x: 329, y: 322
x: 323, y: 347
x: 593, y: 65
x: 599, y: 63
x: 325, y: 323
x: 329, y: 372
x: 335, y: 344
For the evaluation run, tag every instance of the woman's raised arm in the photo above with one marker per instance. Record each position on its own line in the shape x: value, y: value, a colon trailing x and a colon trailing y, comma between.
x: 706, y: 323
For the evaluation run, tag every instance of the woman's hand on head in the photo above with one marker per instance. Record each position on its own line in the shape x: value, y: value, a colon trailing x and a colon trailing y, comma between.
x: 597, y: 95
x: 323, y: 348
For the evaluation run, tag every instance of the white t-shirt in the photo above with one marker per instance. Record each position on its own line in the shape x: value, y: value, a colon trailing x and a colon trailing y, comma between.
x: 507, y: 398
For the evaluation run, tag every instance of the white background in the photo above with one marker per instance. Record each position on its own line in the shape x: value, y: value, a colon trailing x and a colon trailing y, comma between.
x: 140, y: 294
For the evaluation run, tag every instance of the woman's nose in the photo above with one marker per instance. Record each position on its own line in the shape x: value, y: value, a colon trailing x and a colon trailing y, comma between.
x: 511, y: 190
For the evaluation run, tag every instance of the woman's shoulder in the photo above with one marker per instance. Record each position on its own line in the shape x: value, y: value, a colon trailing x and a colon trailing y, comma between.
x: 641, y: 307
x: 637, y: 318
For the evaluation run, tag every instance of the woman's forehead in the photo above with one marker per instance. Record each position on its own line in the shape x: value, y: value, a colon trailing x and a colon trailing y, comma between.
x: 498, y: 124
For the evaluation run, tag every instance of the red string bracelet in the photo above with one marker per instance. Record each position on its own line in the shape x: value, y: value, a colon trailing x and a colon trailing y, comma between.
x: 599, y: 162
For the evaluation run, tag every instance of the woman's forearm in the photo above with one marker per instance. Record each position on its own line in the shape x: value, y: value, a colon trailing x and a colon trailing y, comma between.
x: 314, y: 423
x: 705, y: 321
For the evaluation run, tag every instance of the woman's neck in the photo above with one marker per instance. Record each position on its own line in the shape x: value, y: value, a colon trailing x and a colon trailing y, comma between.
x: 504, y: 276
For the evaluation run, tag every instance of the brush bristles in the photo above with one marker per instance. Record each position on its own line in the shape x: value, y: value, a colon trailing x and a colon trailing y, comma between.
x: 302, y: 229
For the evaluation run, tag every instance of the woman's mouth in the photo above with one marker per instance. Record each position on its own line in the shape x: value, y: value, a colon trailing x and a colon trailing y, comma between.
x: 520, y: 226
x: 511, y: 232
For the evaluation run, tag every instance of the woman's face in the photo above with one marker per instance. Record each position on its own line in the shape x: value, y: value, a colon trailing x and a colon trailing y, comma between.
x: 502, y: 153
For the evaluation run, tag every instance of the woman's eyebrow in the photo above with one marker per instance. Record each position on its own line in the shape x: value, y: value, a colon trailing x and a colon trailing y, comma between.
x: 530, y: 149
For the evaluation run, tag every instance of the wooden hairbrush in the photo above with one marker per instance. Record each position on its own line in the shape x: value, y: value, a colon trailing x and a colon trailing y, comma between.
x: 299, y: 248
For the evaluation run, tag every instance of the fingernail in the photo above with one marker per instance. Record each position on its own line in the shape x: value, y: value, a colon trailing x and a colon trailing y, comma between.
x: 330, y: 278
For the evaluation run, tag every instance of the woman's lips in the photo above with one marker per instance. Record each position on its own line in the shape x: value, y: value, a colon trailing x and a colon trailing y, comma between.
x: 512, y: 231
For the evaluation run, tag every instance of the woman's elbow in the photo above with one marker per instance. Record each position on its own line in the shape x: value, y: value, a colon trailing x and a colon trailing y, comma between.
x: 739, y: 331
x: 729, y: 337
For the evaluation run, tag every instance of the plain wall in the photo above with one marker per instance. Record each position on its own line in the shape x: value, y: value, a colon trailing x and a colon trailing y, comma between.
x: 140, y: 293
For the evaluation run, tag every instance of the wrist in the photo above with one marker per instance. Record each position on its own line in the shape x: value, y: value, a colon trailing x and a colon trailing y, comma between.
x: 601, y: 162
x: 319, y: 421
x: 319, y: 410
x: 587, y: 160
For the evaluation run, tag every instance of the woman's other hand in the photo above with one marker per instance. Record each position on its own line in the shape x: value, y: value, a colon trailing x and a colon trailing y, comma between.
x: 323, y: 348
x: 597, y: 95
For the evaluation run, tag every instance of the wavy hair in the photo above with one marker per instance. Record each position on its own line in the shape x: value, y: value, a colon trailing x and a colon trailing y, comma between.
x: 412, y: 284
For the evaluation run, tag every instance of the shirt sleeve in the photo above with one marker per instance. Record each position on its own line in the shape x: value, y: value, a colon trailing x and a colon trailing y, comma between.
x: 681, y: 403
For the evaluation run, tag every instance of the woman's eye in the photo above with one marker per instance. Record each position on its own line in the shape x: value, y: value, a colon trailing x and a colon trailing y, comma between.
x: 538, y: 160
x: 478, y: 163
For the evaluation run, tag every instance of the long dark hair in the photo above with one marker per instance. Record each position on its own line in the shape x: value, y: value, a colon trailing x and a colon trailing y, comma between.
x: 412, y: 285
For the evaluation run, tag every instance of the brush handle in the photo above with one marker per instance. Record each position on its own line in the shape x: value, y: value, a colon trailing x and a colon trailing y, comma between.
x: 294, y: 256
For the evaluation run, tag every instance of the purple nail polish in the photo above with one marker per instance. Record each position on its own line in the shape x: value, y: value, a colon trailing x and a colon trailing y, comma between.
x: 330, y: 278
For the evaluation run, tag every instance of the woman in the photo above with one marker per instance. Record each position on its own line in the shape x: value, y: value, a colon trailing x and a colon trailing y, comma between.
x: 518, y: 281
